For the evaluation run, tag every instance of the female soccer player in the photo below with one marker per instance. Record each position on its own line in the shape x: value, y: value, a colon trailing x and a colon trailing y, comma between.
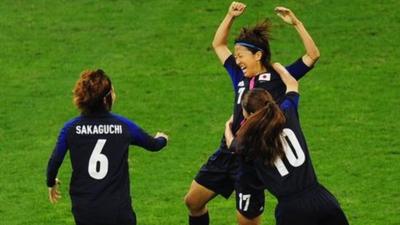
x: 273, y: 155
x: 98, y: 142
x: 249, y: 68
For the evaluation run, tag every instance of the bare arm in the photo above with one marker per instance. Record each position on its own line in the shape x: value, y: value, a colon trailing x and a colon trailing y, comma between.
x: 220, y: 42
x: 228, y: 132
x: 291, y: 83
x: 312, y: 52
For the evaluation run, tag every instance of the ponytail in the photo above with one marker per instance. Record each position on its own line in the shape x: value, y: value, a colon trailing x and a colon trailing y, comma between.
x: 260, y: 135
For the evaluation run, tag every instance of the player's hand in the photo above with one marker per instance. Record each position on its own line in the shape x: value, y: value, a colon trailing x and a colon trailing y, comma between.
x: 236, y: 9
x: 287, y: 15
x: 229, y: 122
x: 160, y: 134
x: 54, y: 192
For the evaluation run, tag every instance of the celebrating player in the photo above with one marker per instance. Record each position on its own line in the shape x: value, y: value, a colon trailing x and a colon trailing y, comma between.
x: 249, y: 67
x: 98, y: 142
x: 273, y: 155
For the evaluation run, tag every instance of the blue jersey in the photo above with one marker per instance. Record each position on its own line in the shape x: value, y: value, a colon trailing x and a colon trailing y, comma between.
x: 290, y: 175
x: 269, y: 81
x: 98, y: 146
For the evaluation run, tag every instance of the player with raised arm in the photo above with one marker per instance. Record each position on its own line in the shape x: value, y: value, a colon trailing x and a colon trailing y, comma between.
x: 98, y: 142
x: 273, y: 155
x: 248, y: 68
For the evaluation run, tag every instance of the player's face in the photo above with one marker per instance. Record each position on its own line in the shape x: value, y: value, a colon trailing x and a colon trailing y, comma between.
x: 247, y: 61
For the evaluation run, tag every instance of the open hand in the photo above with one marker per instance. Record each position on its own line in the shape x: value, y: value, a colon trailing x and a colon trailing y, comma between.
x: 287, y: 15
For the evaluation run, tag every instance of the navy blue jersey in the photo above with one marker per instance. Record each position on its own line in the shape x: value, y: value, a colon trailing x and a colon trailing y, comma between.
x: 290, y: 175
x: 98, y: 146
x: 269, y: 81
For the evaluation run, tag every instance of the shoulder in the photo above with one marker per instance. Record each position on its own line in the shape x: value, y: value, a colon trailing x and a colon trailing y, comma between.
x: 70, y: 123
x: 122, y: 119
x: 129, y: 123
x: 291, y: 100
x: 230, y: 61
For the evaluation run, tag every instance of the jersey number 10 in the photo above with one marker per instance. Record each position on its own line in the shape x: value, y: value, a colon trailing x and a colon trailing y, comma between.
x: 297, y: 160
x: 96, y: 158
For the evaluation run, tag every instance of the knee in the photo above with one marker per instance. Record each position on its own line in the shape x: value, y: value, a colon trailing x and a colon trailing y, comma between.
x: 190, y: 202
x: 193, y: 203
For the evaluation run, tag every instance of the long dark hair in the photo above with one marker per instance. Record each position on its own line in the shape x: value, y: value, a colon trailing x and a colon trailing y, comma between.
x: 260, y: 135
x: 259, y: 36
x: 90, y: 91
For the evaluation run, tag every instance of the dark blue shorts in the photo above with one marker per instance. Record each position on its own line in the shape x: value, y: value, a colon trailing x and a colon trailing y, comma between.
x: 219, y: 173
x: 313, y: 207
x: 103, y: 214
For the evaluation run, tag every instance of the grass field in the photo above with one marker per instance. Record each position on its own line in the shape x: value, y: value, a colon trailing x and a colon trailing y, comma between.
x: 167, y: 78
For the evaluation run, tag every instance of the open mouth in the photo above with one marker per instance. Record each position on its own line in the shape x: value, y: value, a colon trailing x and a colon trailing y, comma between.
x: 244, y: 69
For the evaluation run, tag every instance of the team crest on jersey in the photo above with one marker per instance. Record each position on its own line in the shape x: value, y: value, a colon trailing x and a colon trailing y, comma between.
x: 241, y: 83
x: 264, y: 77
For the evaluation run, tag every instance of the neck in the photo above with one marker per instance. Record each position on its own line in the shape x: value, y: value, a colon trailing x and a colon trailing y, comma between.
x: 261, y: 69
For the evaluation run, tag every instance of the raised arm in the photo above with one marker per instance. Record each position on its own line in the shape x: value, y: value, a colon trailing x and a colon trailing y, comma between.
x: 312, y: 52
x: 291, y: 83
x: 228, y: 132
x: 220, y: 42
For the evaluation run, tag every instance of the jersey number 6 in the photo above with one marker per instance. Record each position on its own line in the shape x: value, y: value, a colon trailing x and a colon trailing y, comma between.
x: 96, y: 158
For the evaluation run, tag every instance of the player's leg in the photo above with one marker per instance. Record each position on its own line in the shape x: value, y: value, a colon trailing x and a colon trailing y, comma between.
x: 197, y: 197
x: 242, y: 220
x: 214, y: 178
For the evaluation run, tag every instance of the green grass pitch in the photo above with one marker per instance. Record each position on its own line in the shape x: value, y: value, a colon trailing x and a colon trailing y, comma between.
x: 167, y: 78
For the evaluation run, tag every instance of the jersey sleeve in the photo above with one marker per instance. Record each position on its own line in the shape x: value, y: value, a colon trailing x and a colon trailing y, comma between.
x: 57, y: 157
x: 290, y: 102
x: 298, y: 69
x: 141, y: 138
x: 234, y: 71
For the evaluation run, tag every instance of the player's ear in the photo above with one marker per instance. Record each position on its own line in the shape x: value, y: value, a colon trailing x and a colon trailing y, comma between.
x: 258, y: 55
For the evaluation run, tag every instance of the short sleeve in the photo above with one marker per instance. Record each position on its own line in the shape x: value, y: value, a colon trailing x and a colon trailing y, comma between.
x: 234, y: 71
x: 291, y: 101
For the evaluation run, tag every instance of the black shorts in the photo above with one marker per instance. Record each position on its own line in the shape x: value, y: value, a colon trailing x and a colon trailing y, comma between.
x: 314, y: 207
x: 249, y: 201
x: 103, y: 214
x: 219, y: 173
